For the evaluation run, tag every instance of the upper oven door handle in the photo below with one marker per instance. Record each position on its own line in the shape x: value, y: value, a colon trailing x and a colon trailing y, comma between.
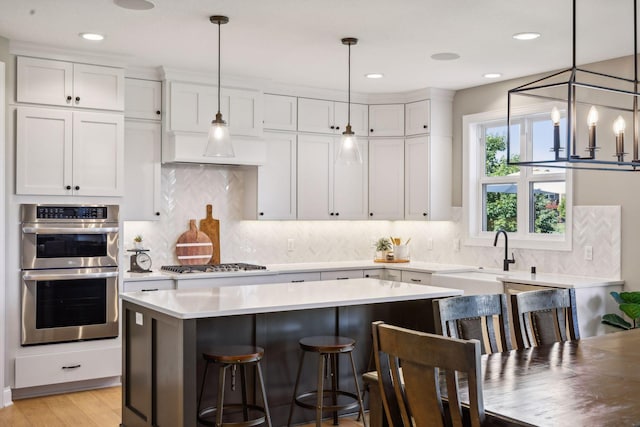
x: 35, y: 275
x: 69, y: 230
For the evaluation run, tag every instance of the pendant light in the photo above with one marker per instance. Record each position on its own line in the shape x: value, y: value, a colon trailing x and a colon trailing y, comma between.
x: 219, y: 141
x: 349, y: 152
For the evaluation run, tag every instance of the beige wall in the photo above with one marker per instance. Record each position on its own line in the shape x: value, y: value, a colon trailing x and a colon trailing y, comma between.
x: 589, y: 188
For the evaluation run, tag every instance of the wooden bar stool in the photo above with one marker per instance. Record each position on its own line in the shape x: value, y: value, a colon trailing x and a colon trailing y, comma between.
x: 328, y: 349
x: 233, y: 357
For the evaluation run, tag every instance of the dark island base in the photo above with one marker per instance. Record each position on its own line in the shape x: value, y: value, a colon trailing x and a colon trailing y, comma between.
x: 163, y: 366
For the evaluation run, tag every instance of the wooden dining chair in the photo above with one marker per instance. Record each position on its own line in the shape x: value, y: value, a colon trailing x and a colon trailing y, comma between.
x: 475, y: 317
x: 544, y: 317
x: 411, y: 395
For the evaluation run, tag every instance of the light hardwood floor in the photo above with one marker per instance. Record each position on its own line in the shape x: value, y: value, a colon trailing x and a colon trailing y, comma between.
x: 93, y: 408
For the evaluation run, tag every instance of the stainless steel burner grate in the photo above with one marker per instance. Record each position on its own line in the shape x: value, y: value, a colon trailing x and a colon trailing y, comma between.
x: 211, y: 268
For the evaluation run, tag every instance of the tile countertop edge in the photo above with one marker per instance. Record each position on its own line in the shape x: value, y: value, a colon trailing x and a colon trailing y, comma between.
x: 147, y: 300
x: 559, y: 280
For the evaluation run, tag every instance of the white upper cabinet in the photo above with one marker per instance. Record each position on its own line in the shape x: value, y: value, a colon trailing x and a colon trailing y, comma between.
x: 142, y: 192
x: 280, y: 112
x: 270, y: 190
x: 417, y: 118
x: 386, y: 120
x: 386, y: 179
x: 52, y: 82
x: 330, y: 117
x: 194, y: 106
x: 350, y: 186
x: 143, y: 99
x: 69, y: 153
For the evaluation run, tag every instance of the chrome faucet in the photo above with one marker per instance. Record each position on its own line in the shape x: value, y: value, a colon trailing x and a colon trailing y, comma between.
x: 506, y: 261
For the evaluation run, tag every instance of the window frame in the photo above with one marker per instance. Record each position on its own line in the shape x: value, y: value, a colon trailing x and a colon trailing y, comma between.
x: 474, y: 178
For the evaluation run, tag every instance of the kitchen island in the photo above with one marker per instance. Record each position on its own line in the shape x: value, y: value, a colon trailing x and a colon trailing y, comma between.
x: 165, y: 332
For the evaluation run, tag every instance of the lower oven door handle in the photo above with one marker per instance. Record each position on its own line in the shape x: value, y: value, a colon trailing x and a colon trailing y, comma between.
x: 69, y: 230
x: 33, y: 275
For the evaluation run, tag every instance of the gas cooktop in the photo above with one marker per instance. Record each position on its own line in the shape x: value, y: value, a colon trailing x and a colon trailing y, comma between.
x: 211, y: 268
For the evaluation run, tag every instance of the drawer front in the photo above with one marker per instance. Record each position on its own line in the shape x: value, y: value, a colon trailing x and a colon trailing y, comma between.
x: 148, y: 285
x: 298, y: 277
x: 416, y: 277
x: 341, y: 275
x: 55, y: 368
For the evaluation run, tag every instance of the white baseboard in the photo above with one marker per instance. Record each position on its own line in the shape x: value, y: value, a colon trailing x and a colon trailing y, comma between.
x: 6, y: 397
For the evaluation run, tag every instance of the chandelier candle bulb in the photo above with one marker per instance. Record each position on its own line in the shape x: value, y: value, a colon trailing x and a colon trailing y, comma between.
x: 555, y: 118
x: 592, y: 119
x: 618, y: 128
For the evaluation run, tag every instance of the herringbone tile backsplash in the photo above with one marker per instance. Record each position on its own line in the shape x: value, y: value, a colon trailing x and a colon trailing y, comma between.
x: 187, y: 189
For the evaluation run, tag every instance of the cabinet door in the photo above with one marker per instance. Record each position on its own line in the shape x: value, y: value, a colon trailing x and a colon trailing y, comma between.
x: 350, y: 186
x: 280, y: 112
x: 417, y: 118
x: 44, y: 151
x: 143, y: 99
x: 100, y: 87
x: 142, y: 145
x: 315, y: 115
x: 192, y: 107
x: 359, y: 118
x: 417, y: 178
x: 386, y: 120
x: 243, y: 112
x: 98, y: 154
x: 44, y: 81
x: 277, y: 178
x: 386, y: 179
x: 315, y: 176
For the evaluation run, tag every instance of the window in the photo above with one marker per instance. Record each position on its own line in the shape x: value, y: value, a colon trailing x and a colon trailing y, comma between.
x: 532, y: 203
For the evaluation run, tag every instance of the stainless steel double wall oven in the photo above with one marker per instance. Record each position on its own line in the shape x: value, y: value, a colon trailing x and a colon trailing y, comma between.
x: 69, y: 263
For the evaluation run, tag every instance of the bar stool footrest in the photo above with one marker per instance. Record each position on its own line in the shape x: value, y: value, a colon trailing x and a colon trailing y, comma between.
x: 210, y: 412
x: 328, y: 394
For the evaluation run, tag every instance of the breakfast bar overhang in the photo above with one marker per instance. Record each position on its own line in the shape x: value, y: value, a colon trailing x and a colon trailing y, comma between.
x: 165, y: 332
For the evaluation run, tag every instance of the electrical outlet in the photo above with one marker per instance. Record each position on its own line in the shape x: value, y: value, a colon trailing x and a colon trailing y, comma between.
x: 429, y: 244
x: 290, y: 245
x: 588, y: 253
x: 456, y: 245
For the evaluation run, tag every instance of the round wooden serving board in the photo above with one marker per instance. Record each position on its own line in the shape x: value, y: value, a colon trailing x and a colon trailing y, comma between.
x: 193, y: 246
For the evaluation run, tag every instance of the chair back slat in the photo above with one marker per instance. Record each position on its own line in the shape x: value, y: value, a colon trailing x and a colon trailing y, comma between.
x: 473, y: 317
x: 544, y: 317
x: 385, y: 381
x: 422, y: 356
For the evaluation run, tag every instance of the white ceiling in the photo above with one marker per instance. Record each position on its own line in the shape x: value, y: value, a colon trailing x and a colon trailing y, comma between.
x: 298, y: 41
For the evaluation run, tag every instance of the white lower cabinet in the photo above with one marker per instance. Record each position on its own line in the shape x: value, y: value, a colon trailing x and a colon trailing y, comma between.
x: 55, y: 368
x: 416, y: 277
x: 148, y: 285
x: 143, y: 148
x: 312, y: 276
x: 61, y: 152
x: 216, y: 282
x: 341, y: 274
x: 270, y: 190
x: 386, y: 179
x: 383, y: 274
x: 327, y: 190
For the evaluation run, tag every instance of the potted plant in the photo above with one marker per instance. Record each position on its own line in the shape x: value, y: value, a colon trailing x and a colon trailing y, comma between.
x: 383, y: 245
x: 629, y: 304
x: 137, y: 241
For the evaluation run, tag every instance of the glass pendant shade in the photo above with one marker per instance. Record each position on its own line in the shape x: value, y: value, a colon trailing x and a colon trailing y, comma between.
x: 349, y: 151
x: 219, y: 141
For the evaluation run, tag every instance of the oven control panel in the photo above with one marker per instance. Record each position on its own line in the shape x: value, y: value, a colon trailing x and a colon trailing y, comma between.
x: 71, y: 212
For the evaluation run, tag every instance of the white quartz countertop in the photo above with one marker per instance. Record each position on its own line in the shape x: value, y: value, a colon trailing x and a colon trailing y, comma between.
x: 558, y: 280
x: 266, y: 298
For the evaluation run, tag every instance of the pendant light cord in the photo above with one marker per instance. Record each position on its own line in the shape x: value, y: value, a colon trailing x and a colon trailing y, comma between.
x: 349, y: 89
x: 219, y: 67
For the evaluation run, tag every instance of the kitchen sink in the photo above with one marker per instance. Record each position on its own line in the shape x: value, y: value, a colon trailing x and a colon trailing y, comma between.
x: 474, y: 282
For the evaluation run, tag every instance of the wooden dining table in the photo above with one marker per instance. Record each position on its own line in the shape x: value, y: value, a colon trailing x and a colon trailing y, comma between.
x: 590, y: 382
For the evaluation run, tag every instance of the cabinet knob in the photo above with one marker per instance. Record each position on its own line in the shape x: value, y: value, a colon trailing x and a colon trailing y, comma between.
x: 77, y: 99
x: 371, y: 130
x: 370, y: 213
x: 68, y: 98
x: 77, y: 187
x: 425, y: 126
x: 332, y: 127
x: 337, y: 127
x: 158, y: 112
x: 337, y: 213
x: 68, y: 187
x: 331, y: 214
x: 424, y: 214
x: 157, y: 213
x: 261, y: 214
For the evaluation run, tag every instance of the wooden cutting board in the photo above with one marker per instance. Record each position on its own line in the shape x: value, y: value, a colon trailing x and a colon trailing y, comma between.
x: 193, y: 246
x: 211, y: 227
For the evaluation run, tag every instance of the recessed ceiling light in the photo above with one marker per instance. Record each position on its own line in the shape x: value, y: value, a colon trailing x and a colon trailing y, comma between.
x: 492, y: 75
x: 94, y: 37
x: 526, y: 36
x: 135, y: 4
x: 445, y: 56
x: 374, y: 75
